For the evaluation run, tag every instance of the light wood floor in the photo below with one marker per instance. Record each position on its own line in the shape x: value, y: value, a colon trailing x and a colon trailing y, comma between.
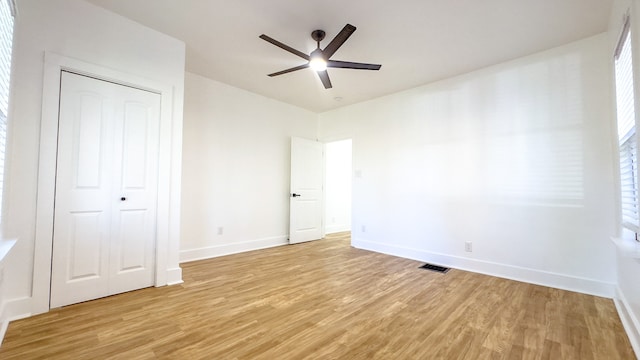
x: 326, y: 300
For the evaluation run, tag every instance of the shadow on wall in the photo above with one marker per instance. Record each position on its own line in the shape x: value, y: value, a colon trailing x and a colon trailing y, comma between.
x: 513, y: 137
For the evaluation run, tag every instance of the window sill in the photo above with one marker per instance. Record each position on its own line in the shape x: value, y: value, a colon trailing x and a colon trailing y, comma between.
x: 5, y: 248
x: 627, y: 247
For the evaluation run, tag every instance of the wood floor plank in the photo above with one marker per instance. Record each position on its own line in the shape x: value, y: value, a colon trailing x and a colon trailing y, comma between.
x: 326, y: 300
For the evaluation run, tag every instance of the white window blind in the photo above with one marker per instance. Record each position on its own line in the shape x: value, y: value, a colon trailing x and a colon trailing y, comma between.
x: 6, y: 42
x: 7, y: 11
x: 627, y: 139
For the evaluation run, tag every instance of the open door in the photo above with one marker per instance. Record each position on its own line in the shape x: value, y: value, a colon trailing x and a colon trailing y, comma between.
x: 307, y: 163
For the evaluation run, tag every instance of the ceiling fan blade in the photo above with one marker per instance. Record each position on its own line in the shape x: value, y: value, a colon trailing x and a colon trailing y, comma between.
x: 337, y: 41
x: 352, y: 65
x: 304, y: 66
x: 324, y: 77
x: 284, y: 47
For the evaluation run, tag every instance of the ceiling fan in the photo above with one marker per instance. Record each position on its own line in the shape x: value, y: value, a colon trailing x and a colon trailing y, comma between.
x: 319, y: 59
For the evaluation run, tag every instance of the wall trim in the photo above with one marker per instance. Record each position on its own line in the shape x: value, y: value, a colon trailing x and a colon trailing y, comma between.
x: 532, y: 276
x: 630, y: 322
x: 14, y: 309
x: 337, y: 228
x: 174, y: 276
x: 233, y: 248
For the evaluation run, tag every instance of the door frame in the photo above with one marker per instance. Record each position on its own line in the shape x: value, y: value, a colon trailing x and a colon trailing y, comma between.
x: 167, y: 270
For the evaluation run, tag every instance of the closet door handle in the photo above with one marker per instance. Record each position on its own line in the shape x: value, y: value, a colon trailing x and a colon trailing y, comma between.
x: 123, y: 199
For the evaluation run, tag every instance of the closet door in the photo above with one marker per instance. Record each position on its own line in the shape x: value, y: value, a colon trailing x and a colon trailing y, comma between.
x: 106, y: 190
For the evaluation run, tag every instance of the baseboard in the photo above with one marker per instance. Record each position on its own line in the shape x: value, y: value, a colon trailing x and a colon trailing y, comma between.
x: 234, y: 248
x: 174, y: 276
x: 630, y: 322
x: 337, y: 228
x: 11, y: 310
x: 533, y: 276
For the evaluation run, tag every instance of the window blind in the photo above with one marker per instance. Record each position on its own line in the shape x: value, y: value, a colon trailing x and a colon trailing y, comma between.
x: 7, y: 12
x: 627, y: 138
x: 6, y: 42
x: 629, y: 182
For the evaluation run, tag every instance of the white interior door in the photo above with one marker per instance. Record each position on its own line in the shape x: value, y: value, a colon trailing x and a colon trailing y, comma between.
x: 106, y: 190
x: 307, y: 161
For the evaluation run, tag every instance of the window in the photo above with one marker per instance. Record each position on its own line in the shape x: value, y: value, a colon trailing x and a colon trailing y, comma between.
x: 7, y: 11
x: 627, y: 138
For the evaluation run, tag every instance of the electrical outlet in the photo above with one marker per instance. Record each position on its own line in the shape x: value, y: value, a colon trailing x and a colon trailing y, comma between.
x: 363, y: 228
x: 220, y: 230
x: 467, y: 246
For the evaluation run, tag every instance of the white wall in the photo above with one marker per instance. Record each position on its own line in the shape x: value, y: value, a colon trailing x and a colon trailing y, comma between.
x: 83, y: 31
x: 236, y: 162
x: 337, y: 188
x: 628, y: 268
x: 515, y: 158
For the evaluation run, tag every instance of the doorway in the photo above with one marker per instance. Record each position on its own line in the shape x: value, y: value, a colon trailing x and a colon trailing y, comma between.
x: 166, y: 270
x: 338, y: 183
x: 106, y: 190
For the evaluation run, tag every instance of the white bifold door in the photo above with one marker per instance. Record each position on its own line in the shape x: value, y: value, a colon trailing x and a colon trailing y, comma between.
x: 106, y: 190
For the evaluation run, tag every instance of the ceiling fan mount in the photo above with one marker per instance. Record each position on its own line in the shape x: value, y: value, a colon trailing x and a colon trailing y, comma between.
x: 320, y: 59
x: 318, y: 35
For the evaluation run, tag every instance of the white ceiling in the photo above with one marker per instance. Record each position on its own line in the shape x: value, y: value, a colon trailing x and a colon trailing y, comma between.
x: 416, y: 41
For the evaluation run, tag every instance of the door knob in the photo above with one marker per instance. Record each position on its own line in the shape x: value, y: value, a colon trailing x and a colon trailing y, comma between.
x: 295, y: 195
x: 123, y: 198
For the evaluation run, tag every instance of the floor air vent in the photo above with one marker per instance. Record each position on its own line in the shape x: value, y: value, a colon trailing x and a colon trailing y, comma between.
x: 436, y: 268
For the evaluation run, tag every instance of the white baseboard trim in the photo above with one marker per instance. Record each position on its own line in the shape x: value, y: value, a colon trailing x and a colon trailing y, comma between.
x: 174, y: 276
x: 538, y: 277
x: 14, y: 309
x: 337, y: 228
x: 629, y: 320
x: 234, y: 248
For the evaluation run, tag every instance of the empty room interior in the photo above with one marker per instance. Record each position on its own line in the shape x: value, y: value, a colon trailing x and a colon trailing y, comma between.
x: 266, y: 179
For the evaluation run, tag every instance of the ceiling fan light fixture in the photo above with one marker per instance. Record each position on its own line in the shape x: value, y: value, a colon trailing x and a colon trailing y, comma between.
x: 317, y: 61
